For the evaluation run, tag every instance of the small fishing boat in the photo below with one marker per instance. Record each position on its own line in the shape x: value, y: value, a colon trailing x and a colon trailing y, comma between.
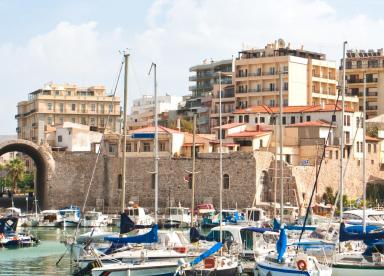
x: 49, y: 218
x: 94, y: 219
x: 177, y: 217
x: 70, y: 216
x: 9, y: 238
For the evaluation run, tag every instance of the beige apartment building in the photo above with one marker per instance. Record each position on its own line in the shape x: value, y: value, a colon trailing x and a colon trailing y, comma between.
x: 371, y: 64
x: 308, y: 77
x: 55, y: 104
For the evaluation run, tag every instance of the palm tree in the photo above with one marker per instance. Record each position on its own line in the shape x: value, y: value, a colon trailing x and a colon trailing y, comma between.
x: 15, y: 171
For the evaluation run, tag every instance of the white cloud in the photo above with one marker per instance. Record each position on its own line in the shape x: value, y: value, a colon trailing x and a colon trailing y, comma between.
x: 178, y: 34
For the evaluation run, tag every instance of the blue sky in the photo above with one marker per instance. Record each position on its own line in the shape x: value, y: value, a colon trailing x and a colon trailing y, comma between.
x: 78, y: 41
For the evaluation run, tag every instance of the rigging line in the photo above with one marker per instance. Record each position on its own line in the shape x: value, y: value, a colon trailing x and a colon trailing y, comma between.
x: 319, y: 169
x: 101, y: 143
x: 136, y: 78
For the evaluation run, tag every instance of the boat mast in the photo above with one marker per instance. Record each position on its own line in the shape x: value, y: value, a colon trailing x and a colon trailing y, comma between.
x: 156, y: 142
x: 221, y: 162
x: 364, y: 155
x: 193, y: 168
x: 281, y: 149
x: 126, y: 56
x: 342, y: 137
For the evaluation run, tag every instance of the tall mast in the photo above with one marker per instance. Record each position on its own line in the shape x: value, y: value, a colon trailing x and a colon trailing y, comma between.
x: 193, y: 168
x: 342, y: 137
x: 281, y: 149
x: 126, y: 56
x: 156, y: 142
x: 221, y: 162
x: 364, y: 155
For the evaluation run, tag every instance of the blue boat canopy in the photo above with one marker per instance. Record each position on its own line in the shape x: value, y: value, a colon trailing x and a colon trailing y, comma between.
x: 149, y: 237
x: 355, y: 233
x: 281, y: 245
x: 258, y: 229
x: 207, y: 253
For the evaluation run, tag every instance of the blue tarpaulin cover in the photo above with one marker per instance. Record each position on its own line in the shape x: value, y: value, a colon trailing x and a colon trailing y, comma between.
x: 281, y: 245
x: 149, y: 237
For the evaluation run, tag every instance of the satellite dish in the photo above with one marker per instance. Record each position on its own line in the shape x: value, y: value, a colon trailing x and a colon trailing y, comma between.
x: 281, y: 43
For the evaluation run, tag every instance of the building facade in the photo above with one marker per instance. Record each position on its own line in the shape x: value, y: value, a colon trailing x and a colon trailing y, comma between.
x: 371, y: 64
x: 204, y: 79
x: 308, y: 78
x: 143, y: 110
x: 56, y: 104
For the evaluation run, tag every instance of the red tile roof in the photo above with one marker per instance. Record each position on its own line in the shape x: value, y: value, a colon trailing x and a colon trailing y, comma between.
x: 318, y: 123
x: 372, y: 139
x: 248, y: 134
x: 292, y: 109
x: 231, y: 125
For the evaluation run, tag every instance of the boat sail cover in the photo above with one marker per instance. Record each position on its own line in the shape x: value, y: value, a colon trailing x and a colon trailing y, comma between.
x: 8, y: 225
x: 276, y: 226
x: 281, y: 245
x: 355, y: 233
x: 207, y: 253
x: 149, y: 237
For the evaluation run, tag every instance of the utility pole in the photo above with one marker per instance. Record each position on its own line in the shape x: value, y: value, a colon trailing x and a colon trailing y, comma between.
x: 281, y: 150
x: 342, y: 136
x: 126, y: 57
x: 221, y: 162
x: 364, y: 155
x: 193, y: 168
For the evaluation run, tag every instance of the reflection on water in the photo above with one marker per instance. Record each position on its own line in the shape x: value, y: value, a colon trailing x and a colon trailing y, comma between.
x: 39, y: 260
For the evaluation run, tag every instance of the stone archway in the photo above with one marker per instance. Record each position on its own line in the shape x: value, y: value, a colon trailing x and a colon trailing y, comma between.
x: 44, y: 162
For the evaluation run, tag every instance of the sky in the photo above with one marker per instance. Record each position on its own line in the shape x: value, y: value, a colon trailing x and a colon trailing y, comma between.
x: 80, y: 41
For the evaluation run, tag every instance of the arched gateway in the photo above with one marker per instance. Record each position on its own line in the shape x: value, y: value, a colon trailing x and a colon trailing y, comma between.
x: 44, y: 162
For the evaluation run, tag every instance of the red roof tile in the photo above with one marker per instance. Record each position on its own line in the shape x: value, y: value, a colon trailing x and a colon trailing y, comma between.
x: 248, y: 134
x: 231, y: 125
x: 372, y: 139
x: 318, y: 123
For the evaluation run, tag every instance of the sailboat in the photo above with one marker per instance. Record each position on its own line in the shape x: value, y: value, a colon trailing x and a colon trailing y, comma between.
x: 369, y: 262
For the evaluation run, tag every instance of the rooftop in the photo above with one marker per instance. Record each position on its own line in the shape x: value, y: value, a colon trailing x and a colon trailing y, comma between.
x: 318, y: 123
x: 248, y: 134
x: 151, y: 129
x: 292, y: 109
x: 229, y: 126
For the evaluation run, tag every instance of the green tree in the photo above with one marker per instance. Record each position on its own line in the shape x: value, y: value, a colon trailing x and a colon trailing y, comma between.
x: 373, y: 131
x: 185, y: 125
x: 328, y: 196
x: 15, y: 172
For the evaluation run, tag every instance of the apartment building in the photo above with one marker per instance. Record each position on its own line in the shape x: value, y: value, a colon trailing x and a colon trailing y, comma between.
x: 308, y: 78
x: 228, y: 105
x: 353, y: 131
x: 205, y: 77
x: 371, y: 64
x: 143, y: 110
x: 56, y: 104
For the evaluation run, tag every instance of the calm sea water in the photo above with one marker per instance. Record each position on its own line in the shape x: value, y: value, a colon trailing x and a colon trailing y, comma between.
x: 41, y: 259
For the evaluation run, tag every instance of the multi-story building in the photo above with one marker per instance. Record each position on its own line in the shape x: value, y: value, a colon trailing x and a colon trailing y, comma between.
x: 228, y: 105
x: 205, y: 77
x: 371, y: 64
x: 353, y: 131
x: 56, y: 104
x: 143, y: 110
x: 308, y: 78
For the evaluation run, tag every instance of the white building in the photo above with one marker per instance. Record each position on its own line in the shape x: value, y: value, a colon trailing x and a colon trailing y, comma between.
x: 72, y: 137
x: 143, y: 109
x: 353, y: 131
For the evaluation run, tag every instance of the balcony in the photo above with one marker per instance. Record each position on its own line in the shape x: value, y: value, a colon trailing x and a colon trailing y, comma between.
x: 200, y: 87
x: 368, y: 94
x: 373, y: 80
x: 373, y: 107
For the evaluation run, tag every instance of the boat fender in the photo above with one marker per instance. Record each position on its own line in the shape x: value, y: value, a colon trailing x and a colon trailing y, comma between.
x: 301, y: 265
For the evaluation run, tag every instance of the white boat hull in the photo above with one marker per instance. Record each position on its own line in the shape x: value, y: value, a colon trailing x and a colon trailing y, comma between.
x: 147, y: 269
x: 267, y: 269
x: 356, y: 270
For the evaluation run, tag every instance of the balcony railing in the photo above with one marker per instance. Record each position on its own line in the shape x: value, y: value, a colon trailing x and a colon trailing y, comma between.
x: 374, y: 107
x: 369, y: 94
x: 362, y: 80
x: 200, y: 87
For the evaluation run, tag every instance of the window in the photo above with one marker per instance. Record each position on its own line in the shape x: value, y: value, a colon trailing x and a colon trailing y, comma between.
x: 162, y: 146
x: 374, y: 148
x: 358, y: 163
x: 225, y: 181
x: 272, y: 102
x: 102, y: 122
x: 61, y: 120
x: 372, y: 162
x: 285, y: 102
x: 57, y: 93
x: 261, y: 143
x: 336, y: 154
x: 128, y: 147
x: 68, y: 93
x: 49, y: 106
x: 49, y: 120
x: 271, y: 87
x: 61, y: 107
x: 301, y: 119
x: 256, y: 120
x: 308, y: 118
x: 119, y: 181
x: 369, y: 148
x: 284, y: 120
x: 59, y: 138
x: 73, y: 107
x: 73, y: 120
x: 262, y: 120
x: 83, y: 108
x: 110, y: 108
x: 101, y: 108
x: 146, y: 147
x: 153, y: 180
x: 330, y: 154
x: 333, y: 118
x: 93, y: 107
x: 240, y: 119
x: 83, y: 121
x: 92, y: 121
x: 285, y: 85
x: 111, y: 148
x: 246, y: 119
x: 293, y: 120
x: 357, y: 146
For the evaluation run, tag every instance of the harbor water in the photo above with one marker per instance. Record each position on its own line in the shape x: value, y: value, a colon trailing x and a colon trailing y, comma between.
x: 41, y: 259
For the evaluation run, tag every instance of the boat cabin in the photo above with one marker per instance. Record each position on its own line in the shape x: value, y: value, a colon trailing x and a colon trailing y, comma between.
x: 254, y: 214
